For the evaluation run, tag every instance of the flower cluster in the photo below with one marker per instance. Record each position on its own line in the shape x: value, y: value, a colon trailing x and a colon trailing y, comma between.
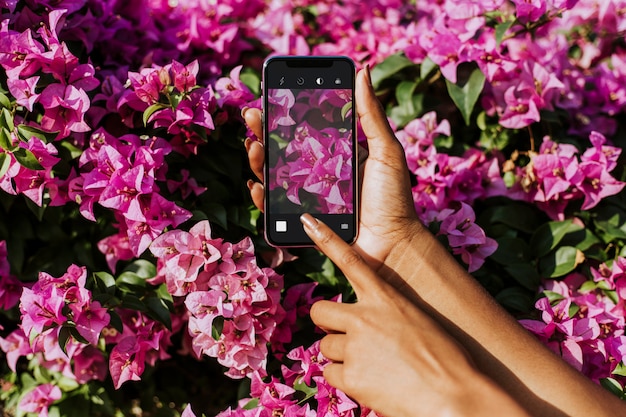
x: 446, y: 186
x: 559, y: 173
x: 27, y: 60
x: 302, y: 378
x: 121, y: 174
x: 315, y: 170
x: 120, y: 122
x: 225, y: 292
x: 61, y: 324
x: 582, y: 320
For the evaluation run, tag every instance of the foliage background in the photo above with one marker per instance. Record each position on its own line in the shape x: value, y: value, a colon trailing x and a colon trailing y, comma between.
x: 471, y: 87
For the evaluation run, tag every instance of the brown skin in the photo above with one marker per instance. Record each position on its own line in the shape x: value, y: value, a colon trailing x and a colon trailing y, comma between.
x: 421, y: 272
x: 384, y: 338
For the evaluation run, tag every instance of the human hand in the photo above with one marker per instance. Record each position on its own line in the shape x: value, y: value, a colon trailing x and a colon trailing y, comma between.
x: 387, y: 215
x: 391, y: 356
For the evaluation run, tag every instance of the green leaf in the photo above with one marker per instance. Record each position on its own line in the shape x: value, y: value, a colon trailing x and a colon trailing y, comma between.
x: 27, y: 159
x: 5, y: 140
x: 147, y: 113
x: 133, y: 303
x: 612, y: 386
x: 4, y: 101
x: 6, y: 119
x: 105, y: 282
x: 620, y: 370
x: 427, y: 66
x: 158, y: 310
x: 511, y: 250
x: 560, y: 262
x: 408, y: 108
x: 251, y: 79
x: 142, y: 268
x: 252, y: 404
x: 553, y: 297
x: 525, y: 274
x: 548, y: 236
x: 466, y: 96
x: 5, y: 163
x: 389, y: 67
x: 345, y: 110
x: 131, y: 278
x: 515, y: 298
x: 501, y: 29
x: 25, y: 132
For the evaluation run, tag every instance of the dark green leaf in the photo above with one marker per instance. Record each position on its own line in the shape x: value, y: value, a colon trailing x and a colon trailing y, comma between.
x: 549, y: 235
x: 133, y: 303
x: 116, y: 321
x: 27, y: 159
x: 525, y: 274
x: 158, y: 310
x: 64, y: 337
x: 515, y: 298
x: 390, y: 66
x: 510, y: 251
x: 613, y: 386
x: 560, y: 262
x: 25, y: 132
x: 465, y: 96
x: 217, y: 214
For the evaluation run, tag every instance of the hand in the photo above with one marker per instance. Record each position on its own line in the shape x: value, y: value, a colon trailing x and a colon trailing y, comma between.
x: 391, y: 356
x: 387, y: 214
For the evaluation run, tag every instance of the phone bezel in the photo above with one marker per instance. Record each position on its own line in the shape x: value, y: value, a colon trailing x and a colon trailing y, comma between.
x: 294, y: 64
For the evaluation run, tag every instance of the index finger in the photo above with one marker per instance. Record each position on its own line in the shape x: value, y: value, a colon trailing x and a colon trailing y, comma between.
x: 362, y: 278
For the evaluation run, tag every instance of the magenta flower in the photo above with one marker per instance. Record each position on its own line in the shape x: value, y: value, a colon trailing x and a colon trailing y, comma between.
x: 184, y: 76
x: 529, y: 11
x: 39, y: 399
x: 65, y: 107
x: 127, y: 360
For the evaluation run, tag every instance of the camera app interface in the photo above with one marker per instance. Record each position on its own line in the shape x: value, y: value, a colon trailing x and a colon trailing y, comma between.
x: 310, y: 165
x: 310, y: 151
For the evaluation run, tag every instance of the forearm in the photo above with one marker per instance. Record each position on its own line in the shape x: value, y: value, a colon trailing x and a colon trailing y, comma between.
x: 500, y: 347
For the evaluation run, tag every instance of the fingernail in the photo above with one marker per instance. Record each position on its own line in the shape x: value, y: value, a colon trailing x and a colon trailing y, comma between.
x: 250, y: 184
x: 244, y: 110
x: 368, y: 75
x: 247, y: 143
x: 309, y: 221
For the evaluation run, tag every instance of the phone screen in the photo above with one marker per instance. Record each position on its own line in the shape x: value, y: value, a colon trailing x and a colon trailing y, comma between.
x: 310, y: 143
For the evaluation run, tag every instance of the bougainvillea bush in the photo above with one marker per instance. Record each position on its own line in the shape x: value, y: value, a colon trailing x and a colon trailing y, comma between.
x: 134, y: 279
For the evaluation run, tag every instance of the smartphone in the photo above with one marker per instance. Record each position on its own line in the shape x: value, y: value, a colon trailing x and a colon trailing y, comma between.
x: 309, y: 128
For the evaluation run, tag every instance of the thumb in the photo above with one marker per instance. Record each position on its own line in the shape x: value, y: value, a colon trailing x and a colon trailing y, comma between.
x: 381, y: 141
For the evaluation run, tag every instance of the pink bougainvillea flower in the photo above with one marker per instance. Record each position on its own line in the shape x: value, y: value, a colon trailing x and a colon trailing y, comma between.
x: 529, y: 10
x: 65, y: 107
x: 39, y: 399
x: 15, y: 346
x: 231, y: 91
x: 184, y: 75
x: 127, y: 361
